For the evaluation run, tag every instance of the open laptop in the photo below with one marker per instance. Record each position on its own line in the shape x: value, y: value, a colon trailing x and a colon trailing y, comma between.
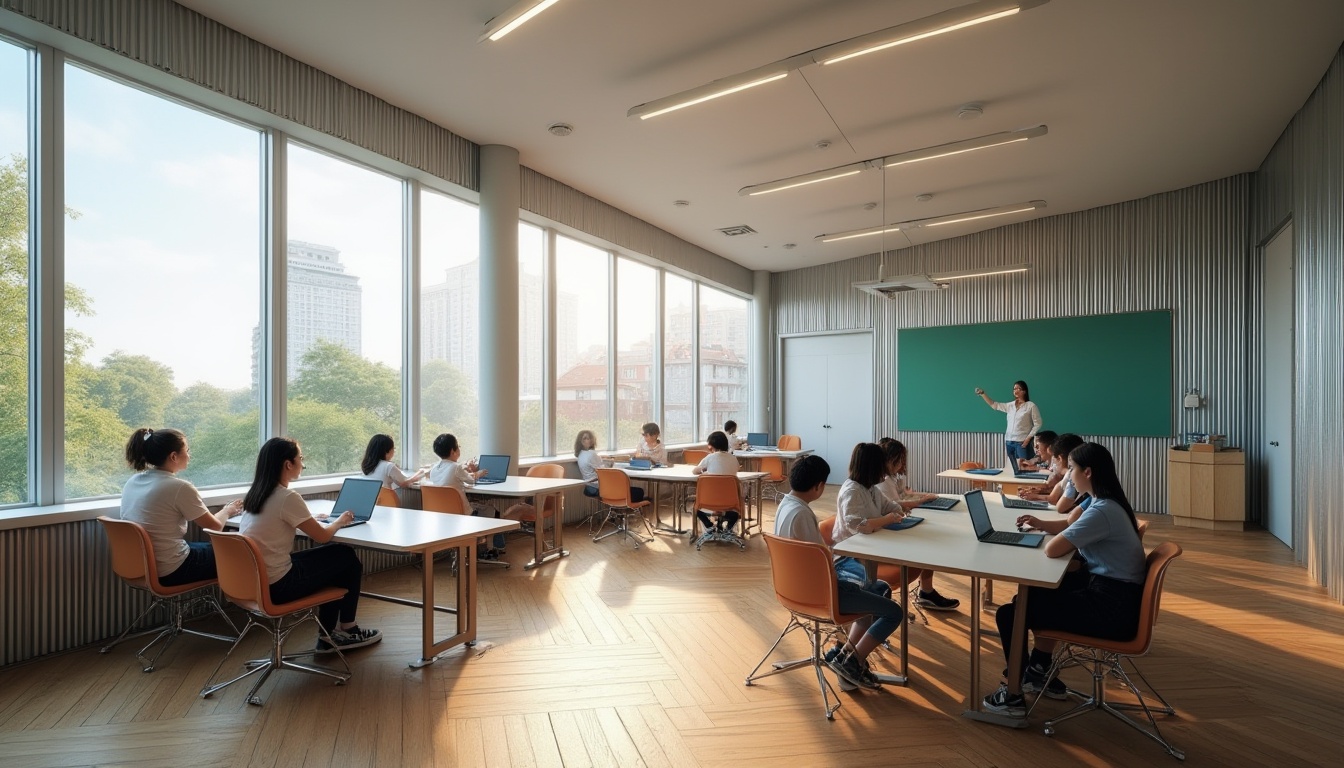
x: 759, y: 439
x: 1027, y: 474
x: 984, y: 529
x: 640, y: 464
x: 1012, y: 503
x: 942, y: 502
x: 358, y: 495
x: 496, y: 468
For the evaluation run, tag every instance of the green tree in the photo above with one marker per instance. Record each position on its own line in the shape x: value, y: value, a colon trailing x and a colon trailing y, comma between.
x: 224, y: 449
x: 333, y: 437
x: 196, y: 406
x: 137, y: 387
x: 332, y: 374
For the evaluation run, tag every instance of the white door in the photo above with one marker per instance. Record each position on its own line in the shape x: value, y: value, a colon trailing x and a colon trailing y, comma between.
x: 828, y: 395
x: 1278, y: 393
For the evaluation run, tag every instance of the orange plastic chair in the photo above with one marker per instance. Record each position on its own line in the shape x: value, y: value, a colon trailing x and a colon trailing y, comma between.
x: 244, y: 581
x: 717, y: 494
x: 453, y: 501
x: 774, y: 466
x: 526, y: 513
x: 133, y: 560
x: 693, y: 456
x: 790, y: 443
x: 805, y: 585
x: 885, y: 571
x: 613, y: 488
x: 980, y: 484
x: 1105, y: 658
x: 388, y: 498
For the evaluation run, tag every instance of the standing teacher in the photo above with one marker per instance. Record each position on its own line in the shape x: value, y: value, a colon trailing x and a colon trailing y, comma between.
x: 1024, y: 420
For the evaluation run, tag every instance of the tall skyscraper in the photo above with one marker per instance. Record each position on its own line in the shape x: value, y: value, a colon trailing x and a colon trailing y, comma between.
x: 323, y: 302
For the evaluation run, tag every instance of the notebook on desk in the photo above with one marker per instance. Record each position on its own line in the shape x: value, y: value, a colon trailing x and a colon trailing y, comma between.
x: 909, y: 521
x: 984, y: 529
x: 983, y: 471
x: 1012, y: 503
x: 640, y: 464
x: 496, y: 469
x: 358, y: 496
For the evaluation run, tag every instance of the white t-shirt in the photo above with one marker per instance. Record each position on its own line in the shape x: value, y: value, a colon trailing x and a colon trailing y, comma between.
x: 163, y: 503
x: 657, y: 454
x: 854, y: 504
x: 795, y: 519
x: 1023, y: 421
x: 386, y: 472
x: 589, y: 462
x: 450, y: 473
x: 273, y: 529
x: 893, y: 487
x: 719, y: 463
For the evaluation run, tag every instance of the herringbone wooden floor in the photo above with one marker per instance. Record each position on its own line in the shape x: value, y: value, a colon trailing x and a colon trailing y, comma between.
x: 625, y: 657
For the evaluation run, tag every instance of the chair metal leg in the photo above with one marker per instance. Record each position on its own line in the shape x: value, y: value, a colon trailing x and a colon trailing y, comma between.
x: 280, y: 632
x: 126, y: 633
x: 813, y: 630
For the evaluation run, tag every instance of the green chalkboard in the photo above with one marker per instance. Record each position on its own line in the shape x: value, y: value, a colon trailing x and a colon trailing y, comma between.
x: 1095, y: 375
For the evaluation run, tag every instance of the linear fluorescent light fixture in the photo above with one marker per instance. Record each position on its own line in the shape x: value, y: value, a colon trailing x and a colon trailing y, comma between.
x: 929, y: 26
x: 513, y: 18
x: 893, y: 286
x: 937, y: 221
x: 904, y: 158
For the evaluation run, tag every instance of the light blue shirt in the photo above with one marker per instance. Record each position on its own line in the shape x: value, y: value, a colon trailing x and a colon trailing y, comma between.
x: 1108, y: 542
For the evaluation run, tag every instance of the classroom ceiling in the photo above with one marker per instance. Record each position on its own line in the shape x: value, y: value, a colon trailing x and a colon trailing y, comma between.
x: 1140, y: 97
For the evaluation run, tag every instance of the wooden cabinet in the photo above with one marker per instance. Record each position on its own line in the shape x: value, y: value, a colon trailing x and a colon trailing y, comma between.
x: 1207, y: 489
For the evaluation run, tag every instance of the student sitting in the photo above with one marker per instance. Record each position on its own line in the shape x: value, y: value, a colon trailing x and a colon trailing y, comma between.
x: 273, y: 513
x: 1041, y: 444
x: 651, y: 447
x: 718, y: 462
x: 377, y: 464
x: 1101, y: 599
x: 735, y: 443
x: 585, y: 451
x: 447, y: 471
x: 1063, y: 495
x: 893, y: 488
x: 156, y: 498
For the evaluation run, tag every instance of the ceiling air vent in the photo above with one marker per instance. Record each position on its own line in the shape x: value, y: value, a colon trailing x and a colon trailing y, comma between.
x: 740, y: 229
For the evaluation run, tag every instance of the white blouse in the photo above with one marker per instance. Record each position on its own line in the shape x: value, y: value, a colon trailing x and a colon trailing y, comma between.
x: 1024, y: 421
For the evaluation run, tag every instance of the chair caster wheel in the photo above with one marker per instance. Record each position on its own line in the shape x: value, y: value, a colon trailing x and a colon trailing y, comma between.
x: 1049, y: 730
x: 747, y: 683
x: 831, y: 718
x: 255, y: 701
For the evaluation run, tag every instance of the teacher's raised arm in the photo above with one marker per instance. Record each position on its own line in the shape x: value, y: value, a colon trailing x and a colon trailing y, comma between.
x: 1024, y: 421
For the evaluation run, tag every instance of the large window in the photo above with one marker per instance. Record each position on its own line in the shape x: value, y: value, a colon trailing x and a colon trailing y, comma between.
x: 582, y: 285
x: 725, y: 343
x: 636, y: 323
x: 531, y: 339
x: 449, y: 312
x: 163, y: 272
x: 15, y: 124
x: 678, y: 360
x: 343, y: 308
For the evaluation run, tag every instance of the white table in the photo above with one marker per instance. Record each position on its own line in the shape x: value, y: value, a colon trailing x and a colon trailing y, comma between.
x: 754, y: 456
x: 412, y: 530
x: 536, y: 488
x: 680, y: 476
x: 945, y: 542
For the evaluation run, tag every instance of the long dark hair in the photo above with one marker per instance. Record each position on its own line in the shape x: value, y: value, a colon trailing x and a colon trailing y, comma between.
x: 376, y: 451
x: 152, y: 447
x: 270, y: 466
x: 894, y: 450
x: 578, y: 440
x: 1026, y: 391
x: 1105, y: 482
x: 867, y: 464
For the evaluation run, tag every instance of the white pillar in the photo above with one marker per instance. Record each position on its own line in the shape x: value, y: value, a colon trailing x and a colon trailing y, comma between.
x: 498, y: 325
x: 763, y: 348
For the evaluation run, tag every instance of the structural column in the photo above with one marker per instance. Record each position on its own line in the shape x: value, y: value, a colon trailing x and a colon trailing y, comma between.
x: 763, y: 349
x: 498, y: 322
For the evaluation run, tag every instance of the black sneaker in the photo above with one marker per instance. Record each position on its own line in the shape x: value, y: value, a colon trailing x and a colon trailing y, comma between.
x: 346, y: 639
x: 1001, y: 702
x: 1033, y: 679
x: 866, y: 674
x: 936, y: 602
x: 848, y: 669
x: 831, y: 656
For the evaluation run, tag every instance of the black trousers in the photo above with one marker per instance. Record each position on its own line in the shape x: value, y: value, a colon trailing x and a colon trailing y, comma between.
x: 330, y: 565
x: 1084, y: 604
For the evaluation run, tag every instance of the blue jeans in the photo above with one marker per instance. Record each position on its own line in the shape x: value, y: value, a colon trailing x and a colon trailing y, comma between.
x: 199, y: 566
x: 1016, y: 450
x: 872, y: 597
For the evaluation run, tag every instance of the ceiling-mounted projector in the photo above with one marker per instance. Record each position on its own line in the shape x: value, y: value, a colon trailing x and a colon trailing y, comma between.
x: 892, y: 286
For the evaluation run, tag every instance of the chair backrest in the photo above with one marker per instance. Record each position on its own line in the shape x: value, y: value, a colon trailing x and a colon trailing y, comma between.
x: 132, y: 551
x: 803, y: 578
x: 773, y: 465
x: 443, y: 498
x: 693, y: 455
x: 971, y: 465
x: 1158, y: 560
x: 613, y: 487
x: 550, y: 472
x: 827, y: 528
x: 242, y: 569
x: 388, y: 498
x: 718, y: 493
x: 790, y: 443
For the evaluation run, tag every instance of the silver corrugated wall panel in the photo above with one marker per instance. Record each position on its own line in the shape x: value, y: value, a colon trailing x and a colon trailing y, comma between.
x: 1302, y: 180
x: 1184, y: 250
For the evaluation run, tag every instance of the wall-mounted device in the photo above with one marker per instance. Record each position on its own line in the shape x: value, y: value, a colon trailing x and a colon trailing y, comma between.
x: 1193, y: 399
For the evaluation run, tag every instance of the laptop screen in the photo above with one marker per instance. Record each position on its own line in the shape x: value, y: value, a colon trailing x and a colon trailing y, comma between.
x: 975, y: 504
x: 358, y: 495
x: 496, y: 467
x: 758, y: 439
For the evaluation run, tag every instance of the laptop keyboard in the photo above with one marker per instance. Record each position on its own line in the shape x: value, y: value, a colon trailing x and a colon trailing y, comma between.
x: 942, y: 502
x: 1024, y: 504
x: 1004, y: 537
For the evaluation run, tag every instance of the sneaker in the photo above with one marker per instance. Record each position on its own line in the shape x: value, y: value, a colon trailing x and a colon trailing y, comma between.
x: 1001, y: 702
x: 849, y: 669
x: 868, y: 678
x: 935, y: 602
x: 346, y: 639
x: 1032, y: 683
x: 830, y: 656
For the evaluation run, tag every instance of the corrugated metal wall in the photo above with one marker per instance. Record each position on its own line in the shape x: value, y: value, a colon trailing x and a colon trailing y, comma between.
x: 1302, y: 179
x: 1184, y: 250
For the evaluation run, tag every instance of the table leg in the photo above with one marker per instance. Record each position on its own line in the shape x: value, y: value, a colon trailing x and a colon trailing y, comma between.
x: 430, y: 650
x: 676, y: 509
x: 540, y: 554
x: 976, y: 711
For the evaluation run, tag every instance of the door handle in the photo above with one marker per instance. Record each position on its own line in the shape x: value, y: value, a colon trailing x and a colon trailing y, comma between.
x: 825, y: 426
x: 1274, y: 443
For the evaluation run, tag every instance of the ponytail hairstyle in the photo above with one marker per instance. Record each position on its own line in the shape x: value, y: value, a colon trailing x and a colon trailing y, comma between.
x: 1026, y: 392
x: 376, y: 451
x: 152, y: 447
x: 270, y: 467
x: 867, y: 464
x: 895, y: 453
x: 1105, y: 482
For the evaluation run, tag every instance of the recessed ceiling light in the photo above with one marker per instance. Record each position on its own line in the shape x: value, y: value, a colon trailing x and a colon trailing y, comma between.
x: 923, y: 197
x: 970, y: 111
x: 560, y: 129
x: 790, y: 245
x: 869, y: 206
x: 823, y: 144
x: 681, y: 203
